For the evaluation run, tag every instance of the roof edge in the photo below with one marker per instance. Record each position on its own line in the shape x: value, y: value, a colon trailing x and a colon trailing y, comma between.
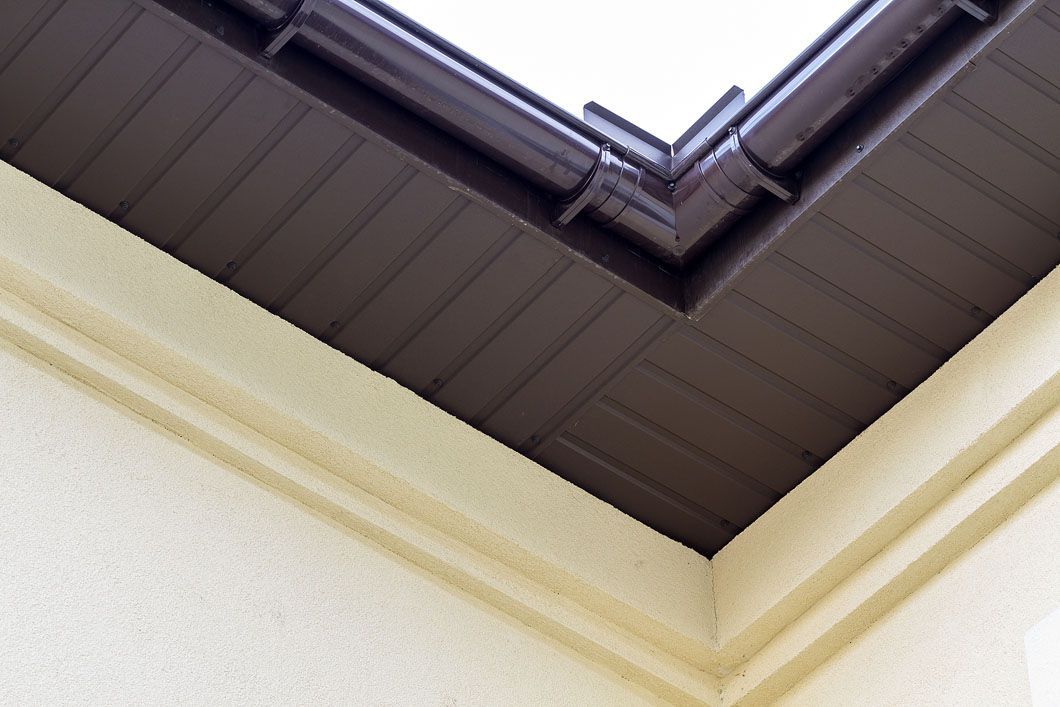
x: 672, y: 203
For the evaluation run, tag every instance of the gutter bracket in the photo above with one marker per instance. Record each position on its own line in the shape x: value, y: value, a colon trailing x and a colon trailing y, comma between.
x: 784, y: 188
x: 286, y: 29
x: 983, y: 10
x: 601, y: 192
x: 572, y: 206
x: 607, y: 191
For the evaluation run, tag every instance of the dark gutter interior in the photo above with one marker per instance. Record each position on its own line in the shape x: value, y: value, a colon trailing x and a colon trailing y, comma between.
x: 690, y: 393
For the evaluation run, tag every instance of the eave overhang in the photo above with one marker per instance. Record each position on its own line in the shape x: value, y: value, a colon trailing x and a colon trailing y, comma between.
x: 187, y: 357
x: 691, y: 398
x: 671, y: 201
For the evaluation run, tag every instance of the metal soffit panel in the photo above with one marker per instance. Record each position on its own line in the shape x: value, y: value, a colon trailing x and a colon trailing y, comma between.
x: 551, y: 343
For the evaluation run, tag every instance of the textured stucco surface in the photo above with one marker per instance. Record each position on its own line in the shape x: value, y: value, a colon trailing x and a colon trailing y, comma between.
x: 185, y: 328
x: 1042, y: 643
x: 901, y: 466
x: 959, y: 639
x: 134, y: 568
x: 135, y: 563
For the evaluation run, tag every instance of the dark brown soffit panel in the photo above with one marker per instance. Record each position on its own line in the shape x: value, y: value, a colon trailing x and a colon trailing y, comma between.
x: 923, y: 219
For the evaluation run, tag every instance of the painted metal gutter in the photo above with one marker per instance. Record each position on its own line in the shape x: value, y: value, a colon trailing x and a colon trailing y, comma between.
x: 670, y: 200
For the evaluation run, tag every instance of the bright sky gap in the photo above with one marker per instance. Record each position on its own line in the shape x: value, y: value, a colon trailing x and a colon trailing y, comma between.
x: 658, y: 65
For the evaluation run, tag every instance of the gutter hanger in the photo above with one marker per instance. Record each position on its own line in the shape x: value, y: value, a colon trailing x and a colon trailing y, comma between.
x: 670, y: 200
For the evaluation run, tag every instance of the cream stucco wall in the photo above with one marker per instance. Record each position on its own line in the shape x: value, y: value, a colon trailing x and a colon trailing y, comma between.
x: 317, y: 428
x: 134, y: 568
x: 959, y: 639
x: 198, y: 500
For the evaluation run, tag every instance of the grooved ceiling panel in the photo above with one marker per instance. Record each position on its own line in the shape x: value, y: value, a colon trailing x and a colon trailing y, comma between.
x: 695, y: 428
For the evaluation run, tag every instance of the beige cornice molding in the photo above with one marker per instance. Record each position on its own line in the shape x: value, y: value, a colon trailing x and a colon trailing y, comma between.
x: 247, y: 387
x: 929, y: 479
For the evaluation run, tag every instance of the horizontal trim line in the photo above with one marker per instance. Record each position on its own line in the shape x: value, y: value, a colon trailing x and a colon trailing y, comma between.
x: 651, y: 486
x: 708, y: 402
x: 129, y: 111
x: 600, y: 384
x: 988, y: 189
x: 943, y: 229
x: 442, y: 302
x: 906, y: 270
x: 782, y: 385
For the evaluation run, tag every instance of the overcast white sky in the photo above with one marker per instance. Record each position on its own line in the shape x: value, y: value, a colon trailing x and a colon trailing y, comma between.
x: 664, y: 63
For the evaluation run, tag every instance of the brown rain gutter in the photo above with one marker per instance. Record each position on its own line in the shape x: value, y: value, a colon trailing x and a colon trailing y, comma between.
x: 671, y: 201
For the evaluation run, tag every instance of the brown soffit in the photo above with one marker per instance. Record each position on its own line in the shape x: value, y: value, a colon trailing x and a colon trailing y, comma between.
x: 693, y: 400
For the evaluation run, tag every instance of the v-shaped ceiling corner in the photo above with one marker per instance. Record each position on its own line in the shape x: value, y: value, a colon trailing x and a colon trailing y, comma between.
x: 673, y: 206
x: 353, y: 218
